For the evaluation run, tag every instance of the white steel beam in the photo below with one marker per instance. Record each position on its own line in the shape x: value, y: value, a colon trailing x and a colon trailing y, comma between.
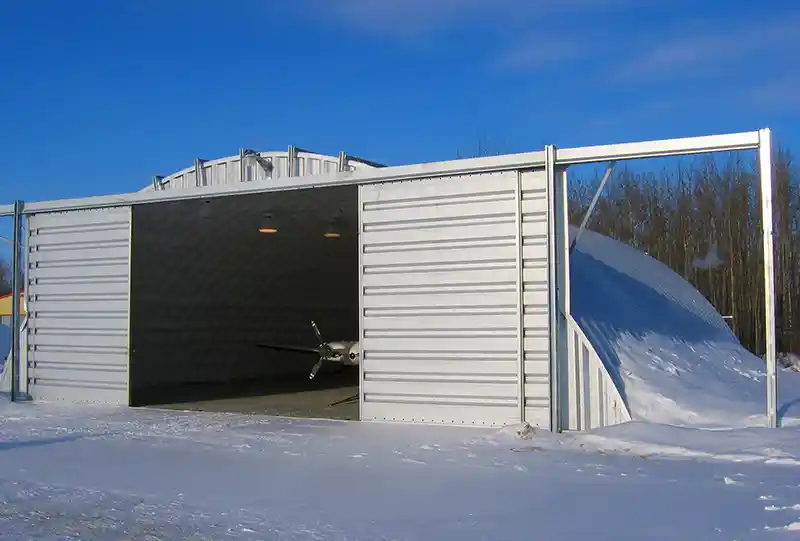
x: 6, y: 210
x: 554, y: 285
x: 655, y: 149
x: 596, y: 197
x: 520, y: 285
x: 16, y: 266
x: 765, y: 166
x: 526, y: 160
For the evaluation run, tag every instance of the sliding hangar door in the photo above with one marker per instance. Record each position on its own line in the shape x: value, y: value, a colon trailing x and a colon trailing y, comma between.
x: 455, y: 300
x: 454, y: 303
x: 77, y: 293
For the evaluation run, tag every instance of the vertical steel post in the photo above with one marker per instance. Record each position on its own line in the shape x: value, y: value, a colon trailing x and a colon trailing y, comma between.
x: 15, y: 297
x: 199, y: 173
x: 765, y: 167
x: 554, y: 285
x: 521, y: 397
x: 564, y: 285
x: 291, y: 162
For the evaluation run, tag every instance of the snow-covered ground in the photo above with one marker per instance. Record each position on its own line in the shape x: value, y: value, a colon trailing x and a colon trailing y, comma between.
x: 676, y: 358
x: 76, y: 472
x: 79, y: 472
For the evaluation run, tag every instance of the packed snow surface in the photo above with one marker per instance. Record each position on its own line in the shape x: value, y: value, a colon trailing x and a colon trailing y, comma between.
x: 672, y: 355
x: 81, y: 472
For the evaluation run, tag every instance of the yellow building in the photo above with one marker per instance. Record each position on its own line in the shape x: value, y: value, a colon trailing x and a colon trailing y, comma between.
x: 5, y: 305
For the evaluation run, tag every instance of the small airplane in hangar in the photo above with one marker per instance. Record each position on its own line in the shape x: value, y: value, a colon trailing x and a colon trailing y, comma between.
x: 345, y: 352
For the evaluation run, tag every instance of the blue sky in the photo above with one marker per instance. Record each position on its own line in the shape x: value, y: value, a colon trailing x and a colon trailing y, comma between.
x: 98, y: 96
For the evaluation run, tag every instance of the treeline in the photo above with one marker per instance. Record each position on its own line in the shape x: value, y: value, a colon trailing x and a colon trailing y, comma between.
x: 704, y: 222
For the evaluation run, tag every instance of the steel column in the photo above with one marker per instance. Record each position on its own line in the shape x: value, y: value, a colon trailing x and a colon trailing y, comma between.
x: 15, y: 297
x: 520, y: 299
x: 765, y: 166
x: 554, y: 285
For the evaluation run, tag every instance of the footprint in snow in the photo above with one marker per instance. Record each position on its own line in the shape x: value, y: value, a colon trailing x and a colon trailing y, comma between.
x: 795, y: 507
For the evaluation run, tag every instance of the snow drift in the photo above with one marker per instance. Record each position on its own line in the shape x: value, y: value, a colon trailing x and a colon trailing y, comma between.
x: 673, y: 357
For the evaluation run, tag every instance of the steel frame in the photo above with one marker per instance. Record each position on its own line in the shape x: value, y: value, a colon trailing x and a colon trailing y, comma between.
x: 551, y: 159
x: 15, y: 297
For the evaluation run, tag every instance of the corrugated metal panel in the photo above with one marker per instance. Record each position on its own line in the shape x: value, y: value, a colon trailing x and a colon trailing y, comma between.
x: 440, y: 304
x: 78, y: 273
x: 593, y: 400
x: 535, y: 280
x: 226, y: 170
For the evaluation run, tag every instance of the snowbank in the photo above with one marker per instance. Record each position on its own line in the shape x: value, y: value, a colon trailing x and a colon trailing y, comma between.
x: 674, y: 357
x: 96, y: 472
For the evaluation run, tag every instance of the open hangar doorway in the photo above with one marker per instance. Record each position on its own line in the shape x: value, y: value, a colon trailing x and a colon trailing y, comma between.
x: 219, y: 285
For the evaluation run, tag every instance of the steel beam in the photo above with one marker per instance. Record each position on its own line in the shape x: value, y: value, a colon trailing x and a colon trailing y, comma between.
x: 526, y: 160
x: 765, y: 169
x: 199, y: 173
x: 658, y: 149
x: 529, y: 160
x: 554, y: 285
x: 520, y: 286
x: 15, y: 296
x: 591, y: 206
x: 292, y: 162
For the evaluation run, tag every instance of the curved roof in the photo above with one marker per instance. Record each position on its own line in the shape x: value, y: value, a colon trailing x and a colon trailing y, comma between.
x: 249, y: 166
x: 669, y: 350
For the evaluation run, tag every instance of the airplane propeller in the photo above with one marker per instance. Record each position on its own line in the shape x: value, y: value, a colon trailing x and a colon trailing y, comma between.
x: 323, y: 350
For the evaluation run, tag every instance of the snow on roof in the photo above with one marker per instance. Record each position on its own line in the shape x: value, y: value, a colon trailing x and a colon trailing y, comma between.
x: 676, y: 358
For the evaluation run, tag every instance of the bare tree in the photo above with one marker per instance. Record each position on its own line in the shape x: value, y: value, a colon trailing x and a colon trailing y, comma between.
x: 703, y: 220
x: 713, y: 210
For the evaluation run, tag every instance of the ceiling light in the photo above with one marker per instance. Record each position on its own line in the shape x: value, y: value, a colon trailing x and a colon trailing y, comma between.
x: 334, y: 228
x: 268, y: 225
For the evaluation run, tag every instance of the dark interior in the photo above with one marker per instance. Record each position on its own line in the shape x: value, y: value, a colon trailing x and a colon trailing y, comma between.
x: 207, y: 287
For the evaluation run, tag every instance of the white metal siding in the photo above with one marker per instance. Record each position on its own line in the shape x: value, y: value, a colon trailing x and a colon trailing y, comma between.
x: 441, y: 301
x: 78, y: 276
x: 226, y: 170
x: 535, y: 282
x: 593, y: 399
